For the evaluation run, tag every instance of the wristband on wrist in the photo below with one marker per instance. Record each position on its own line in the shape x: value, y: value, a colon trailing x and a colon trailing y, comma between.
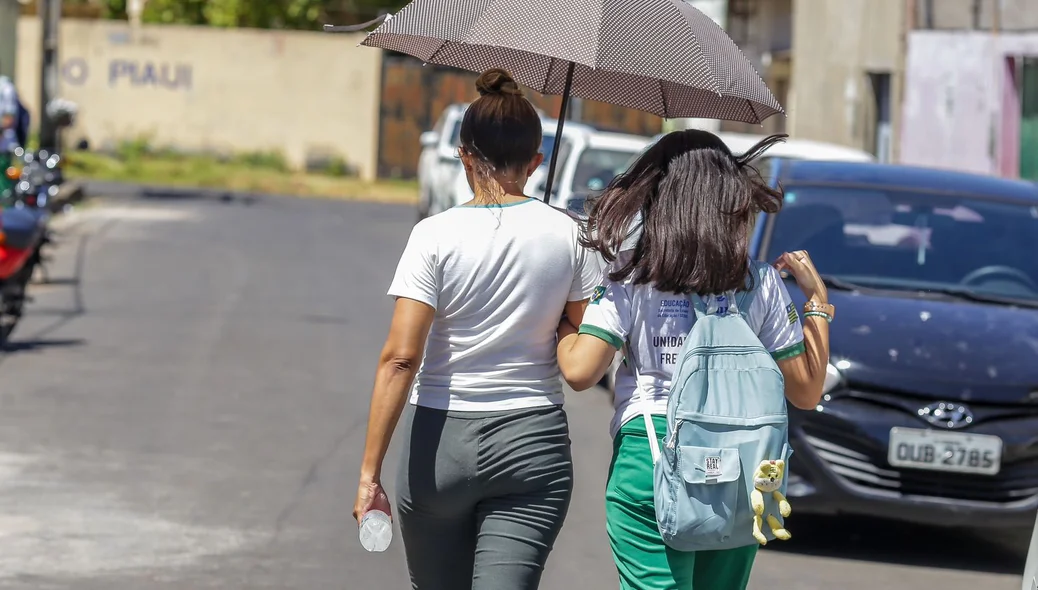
x: 820, y: 314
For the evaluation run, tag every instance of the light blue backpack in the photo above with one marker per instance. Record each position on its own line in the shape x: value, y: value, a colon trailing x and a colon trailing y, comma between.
x: 726, y: 414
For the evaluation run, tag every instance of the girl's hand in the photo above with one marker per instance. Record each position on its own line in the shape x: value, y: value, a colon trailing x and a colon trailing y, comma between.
x: 799, y: 264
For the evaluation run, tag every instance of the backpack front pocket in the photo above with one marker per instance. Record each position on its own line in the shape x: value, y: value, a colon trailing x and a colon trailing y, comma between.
x: 700, y: 516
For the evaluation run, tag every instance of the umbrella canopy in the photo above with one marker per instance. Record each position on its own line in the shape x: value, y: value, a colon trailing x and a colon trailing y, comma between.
x: 660, y: 56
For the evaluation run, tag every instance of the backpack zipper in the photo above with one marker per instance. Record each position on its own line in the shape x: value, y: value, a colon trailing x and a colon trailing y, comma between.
x: 730, y: 349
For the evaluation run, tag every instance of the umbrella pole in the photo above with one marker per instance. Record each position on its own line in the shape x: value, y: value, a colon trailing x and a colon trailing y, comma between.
x: 558, y: 132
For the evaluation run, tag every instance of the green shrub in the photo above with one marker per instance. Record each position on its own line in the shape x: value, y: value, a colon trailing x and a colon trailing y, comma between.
x: 268, y: 160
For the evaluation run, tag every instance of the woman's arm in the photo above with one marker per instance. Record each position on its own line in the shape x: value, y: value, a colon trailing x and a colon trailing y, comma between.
x: 574, y: 311
x: 583, y: 358
x: 397, y: 366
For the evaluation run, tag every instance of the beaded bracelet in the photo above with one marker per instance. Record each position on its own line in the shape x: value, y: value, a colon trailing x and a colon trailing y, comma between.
x: 821, y: 314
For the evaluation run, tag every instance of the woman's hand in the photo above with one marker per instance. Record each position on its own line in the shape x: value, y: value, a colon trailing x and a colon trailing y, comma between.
x: 370, y: 495
x: 566, y: 328
x: 799, y: 264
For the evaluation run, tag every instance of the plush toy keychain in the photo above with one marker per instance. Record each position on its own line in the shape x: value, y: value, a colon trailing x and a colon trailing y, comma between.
x: 768, y: 479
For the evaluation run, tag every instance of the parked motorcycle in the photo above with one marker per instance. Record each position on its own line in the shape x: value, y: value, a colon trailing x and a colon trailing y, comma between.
x: 38, y: 180
x: 33, y: 180
x: 22, y: 234
x: 37, y: 176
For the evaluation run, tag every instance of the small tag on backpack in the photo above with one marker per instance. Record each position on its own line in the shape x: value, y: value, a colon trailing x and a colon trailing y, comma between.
x: 713, y: 467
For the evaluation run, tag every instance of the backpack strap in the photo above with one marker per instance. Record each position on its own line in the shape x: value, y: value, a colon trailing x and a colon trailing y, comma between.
x: 698, y: 305
x: 650, y: 429
x: 745, y: 298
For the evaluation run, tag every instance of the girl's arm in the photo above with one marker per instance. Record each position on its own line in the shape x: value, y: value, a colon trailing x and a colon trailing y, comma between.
x: 804, y: 374
x: 583, y: 358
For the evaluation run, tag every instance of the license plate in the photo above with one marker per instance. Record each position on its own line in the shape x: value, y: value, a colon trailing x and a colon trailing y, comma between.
x: 956, y: 452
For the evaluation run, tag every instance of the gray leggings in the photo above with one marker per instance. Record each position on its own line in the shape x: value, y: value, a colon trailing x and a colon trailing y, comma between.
x: 482, y: 496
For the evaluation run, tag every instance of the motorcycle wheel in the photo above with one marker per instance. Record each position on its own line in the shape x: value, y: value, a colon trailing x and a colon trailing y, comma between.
x: 12, y: 303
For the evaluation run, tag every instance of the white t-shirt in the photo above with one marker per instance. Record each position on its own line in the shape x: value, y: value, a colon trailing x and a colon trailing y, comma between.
x: 654, y: 325
x: 499, y: 278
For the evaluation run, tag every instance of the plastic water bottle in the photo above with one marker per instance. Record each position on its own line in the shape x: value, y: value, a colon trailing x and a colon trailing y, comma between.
x: 376, y: 530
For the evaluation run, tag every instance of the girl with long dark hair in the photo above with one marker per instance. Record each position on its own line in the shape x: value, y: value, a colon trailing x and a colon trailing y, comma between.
x: 696, y: 202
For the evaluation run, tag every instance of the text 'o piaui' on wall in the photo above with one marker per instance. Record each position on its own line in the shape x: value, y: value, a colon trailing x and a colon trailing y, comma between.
x: 134, y: 74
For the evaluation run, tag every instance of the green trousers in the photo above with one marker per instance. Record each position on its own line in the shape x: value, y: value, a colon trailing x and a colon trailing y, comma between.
x: 643, y: 561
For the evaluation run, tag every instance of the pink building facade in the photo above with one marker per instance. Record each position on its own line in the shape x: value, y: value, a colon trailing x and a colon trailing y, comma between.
x: 963, y: 105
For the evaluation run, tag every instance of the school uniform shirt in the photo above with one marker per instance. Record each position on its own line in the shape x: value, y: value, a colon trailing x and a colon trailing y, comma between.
x: 653, y: 325
x: 499, y: 277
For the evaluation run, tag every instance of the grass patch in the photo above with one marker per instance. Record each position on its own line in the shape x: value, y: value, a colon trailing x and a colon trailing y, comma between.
x: 259, y: 172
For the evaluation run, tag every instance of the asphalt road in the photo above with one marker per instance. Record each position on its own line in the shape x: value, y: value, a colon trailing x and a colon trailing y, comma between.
x: 184, y: 407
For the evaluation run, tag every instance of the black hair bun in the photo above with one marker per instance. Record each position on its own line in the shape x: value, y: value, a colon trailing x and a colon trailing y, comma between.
x: 497, y: 81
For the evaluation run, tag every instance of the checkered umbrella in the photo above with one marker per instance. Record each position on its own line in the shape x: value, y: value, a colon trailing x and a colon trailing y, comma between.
x: 660, y: 56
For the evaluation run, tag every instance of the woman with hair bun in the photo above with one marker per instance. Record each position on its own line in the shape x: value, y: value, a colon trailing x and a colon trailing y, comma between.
x: 486, y: 474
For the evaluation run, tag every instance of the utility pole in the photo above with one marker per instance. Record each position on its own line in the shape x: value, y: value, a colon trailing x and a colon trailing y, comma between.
x: 134, y: 10
x: 50, y: 15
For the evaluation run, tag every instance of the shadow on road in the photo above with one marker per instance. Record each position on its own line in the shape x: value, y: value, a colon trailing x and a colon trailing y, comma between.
x: 38, y: 344
x: 185, y: 194
x: 38, y: 339
x: 60, y: 282
x: 866, y: 539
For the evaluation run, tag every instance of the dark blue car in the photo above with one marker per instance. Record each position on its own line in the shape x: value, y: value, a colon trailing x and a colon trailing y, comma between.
x: 930, y: 412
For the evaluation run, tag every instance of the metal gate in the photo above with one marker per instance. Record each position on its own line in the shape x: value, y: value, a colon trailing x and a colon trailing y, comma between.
x: 413, y: 96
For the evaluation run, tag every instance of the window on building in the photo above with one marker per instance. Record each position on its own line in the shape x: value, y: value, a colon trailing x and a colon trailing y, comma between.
x: 881, y: 132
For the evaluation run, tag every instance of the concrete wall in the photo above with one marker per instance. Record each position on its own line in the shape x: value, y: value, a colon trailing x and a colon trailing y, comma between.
x: 8, y: 36
x: 196, y: 88
x: 960, y: 106
x: 836, y: 43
